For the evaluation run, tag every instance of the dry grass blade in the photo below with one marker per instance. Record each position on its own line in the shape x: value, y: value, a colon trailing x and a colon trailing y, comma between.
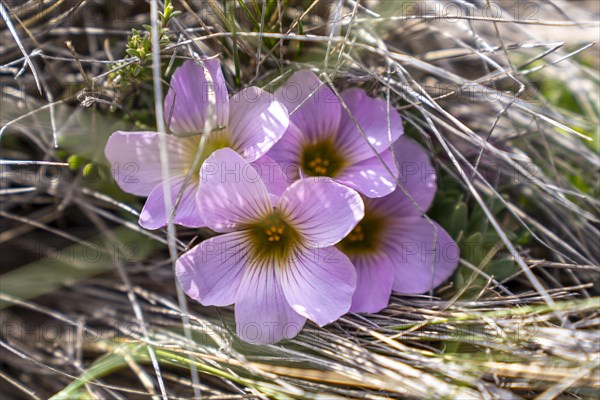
x: 504, y: 96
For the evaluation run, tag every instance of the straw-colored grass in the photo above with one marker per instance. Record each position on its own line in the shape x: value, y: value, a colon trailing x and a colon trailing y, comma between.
x: 503, y: 95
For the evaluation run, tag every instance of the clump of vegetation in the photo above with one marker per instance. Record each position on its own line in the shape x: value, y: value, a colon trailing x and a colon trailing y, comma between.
x: 139, y: 46
x: 504, y: 99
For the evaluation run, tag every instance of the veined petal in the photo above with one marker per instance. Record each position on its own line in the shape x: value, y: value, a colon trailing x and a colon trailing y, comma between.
x: 371, y: 114
x: 416, y: 175
x: 135, y: 159
x: 155, y: 216
x: 312, y: 105
x: 272, y: 175
x: 321, y: 210
x: 262, y: 313
x: 374, y: 278
x: 318, y: 283
x: 288, y: 151
x: 256, y: 122
x: 370, y: 177
x: 211, y: 272
x: 231, y: 192
x: 187, y: 102
x: 420, y: 263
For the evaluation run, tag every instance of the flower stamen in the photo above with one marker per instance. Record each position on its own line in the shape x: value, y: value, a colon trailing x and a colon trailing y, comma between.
x: 274, y: 232
x: 319, y: 166
x: 273, y: 236
x: 322, y: 159
x: 357, y: 235
x: 364, y: 238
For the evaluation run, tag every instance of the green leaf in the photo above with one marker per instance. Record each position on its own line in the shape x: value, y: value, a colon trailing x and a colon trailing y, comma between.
x: 459, y: 220
x: 502, y: 269
x: 472, y: 250
x: 116, y: 360
x: 133, y: 52
x: 249, y: 14
x: 101, y: 367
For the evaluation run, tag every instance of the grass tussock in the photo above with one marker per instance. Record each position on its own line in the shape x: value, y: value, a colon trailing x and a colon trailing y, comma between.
x: 504, y: 95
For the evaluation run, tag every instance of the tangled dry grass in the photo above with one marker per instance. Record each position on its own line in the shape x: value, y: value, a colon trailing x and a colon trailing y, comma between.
x: 503, y: 94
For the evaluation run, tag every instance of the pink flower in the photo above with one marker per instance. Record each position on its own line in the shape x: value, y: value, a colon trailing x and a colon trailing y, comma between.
x: 393, y: 247
x: 276, y: 258
x: 323, y: 140
x: 250, y: 123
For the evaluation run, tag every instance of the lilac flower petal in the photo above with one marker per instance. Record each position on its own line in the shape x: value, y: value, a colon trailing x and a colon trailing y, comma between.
x: 321, y: 210
x: 374, y: 277
x: 262, y: 313
x: 272, y: 175
x: 134, y: 159
x: 319, y: 283
x: 370, y: 177
x: 256, y: 122
x: 418, y: 268
x: 187, y: 101
x: 155, y: 216
x: 313, y: 106
x: 416, y: 175
x: 211, y: 272
x: 371, y: 114
x: 288, y: 151
x: 231, y: 192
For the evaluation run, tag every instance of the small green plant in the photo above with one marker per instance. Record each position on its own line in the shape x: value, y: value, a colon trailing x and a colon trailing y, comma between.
x: 139, y: 45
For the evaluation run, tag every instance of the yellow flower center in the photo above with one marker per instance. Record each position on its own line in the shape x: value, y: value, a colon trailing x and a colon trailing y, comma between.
x: 216, y: 140
x: 272, y: 237
x: 357, y: 235
x: 274, y: 232
x: 322, y: 159
x: 365, y: 237
x: 319, y: 166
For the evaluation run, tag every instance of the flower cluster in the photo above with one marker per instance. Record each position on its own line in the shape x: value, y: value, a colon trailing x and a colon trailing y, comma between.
x: 317, y: 200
